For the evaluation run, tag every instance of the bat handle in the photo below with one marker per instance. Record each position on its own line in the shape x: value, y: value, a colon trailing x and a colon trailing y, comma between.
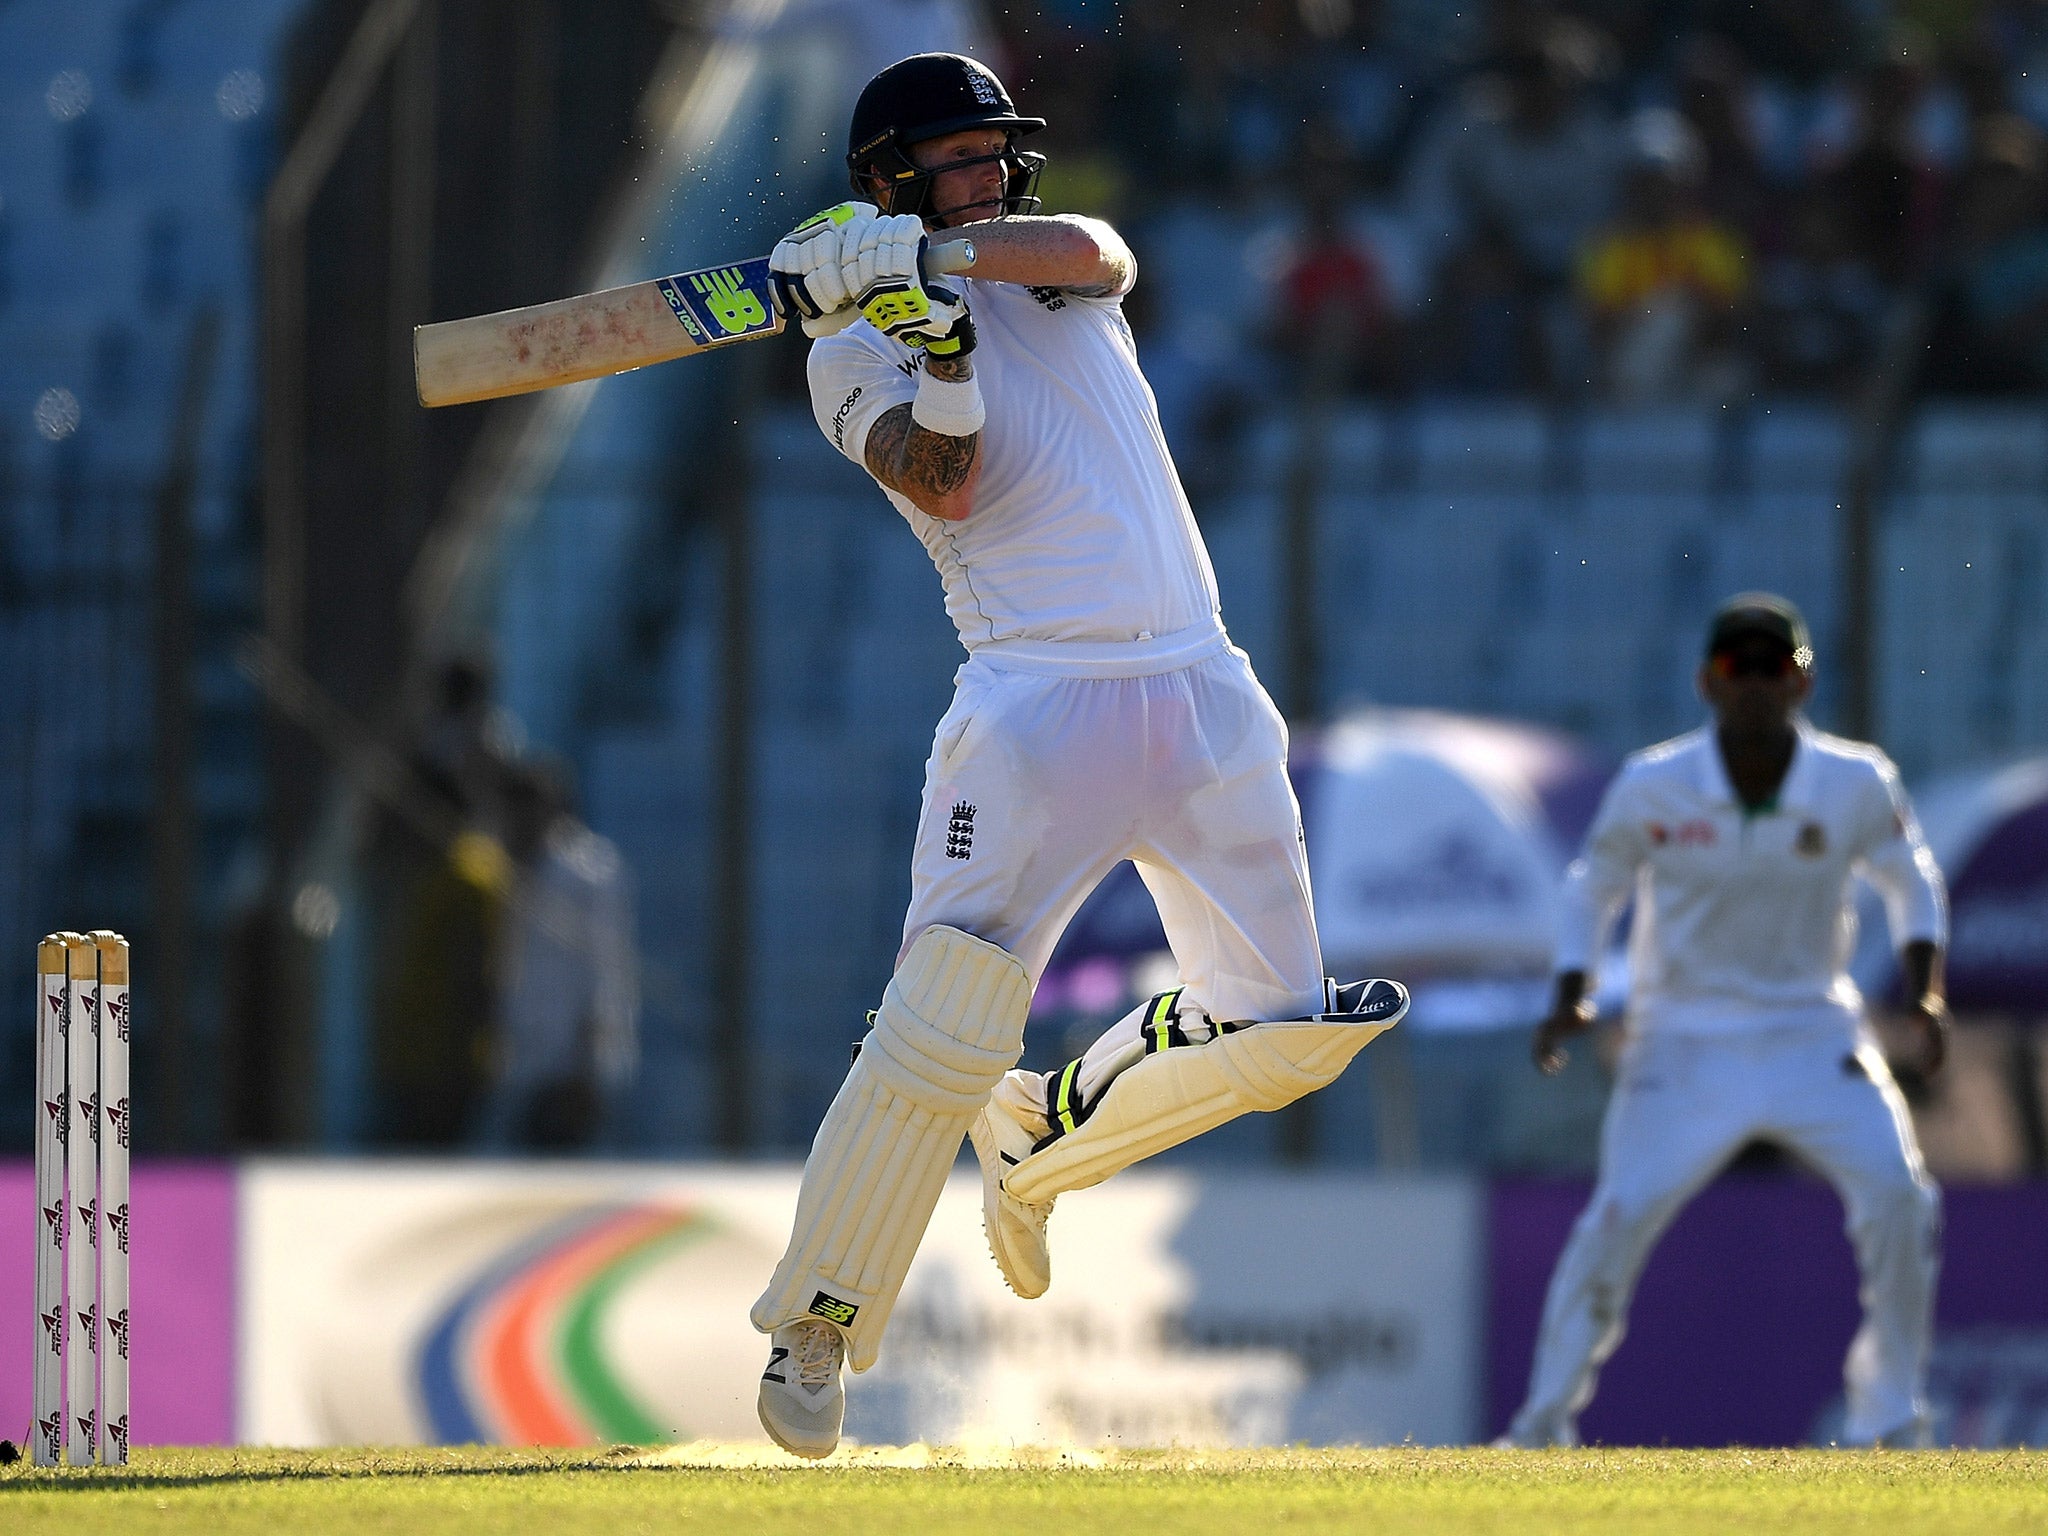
x: 952, y: 256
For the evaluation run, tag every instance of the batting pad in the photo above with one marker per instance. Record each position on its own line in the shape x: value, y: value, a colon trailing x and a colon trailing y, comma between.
x: 950, y: 1025
x: 1174, y: 1095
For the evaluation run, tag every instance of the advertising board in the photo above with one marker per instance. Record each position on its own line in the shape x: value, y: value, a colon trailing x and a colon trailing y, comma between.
x: 567, y: 1304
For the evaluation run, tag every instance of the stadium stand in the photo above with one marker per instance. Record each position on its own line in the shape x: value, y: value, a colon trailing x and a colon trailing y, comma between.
x: 1503, y: 546
x: 133, y: 142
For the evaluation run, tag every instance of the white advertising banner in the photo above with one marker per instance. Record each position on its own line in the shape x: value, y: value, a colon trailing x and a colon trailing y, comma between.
x: 581, y: 1303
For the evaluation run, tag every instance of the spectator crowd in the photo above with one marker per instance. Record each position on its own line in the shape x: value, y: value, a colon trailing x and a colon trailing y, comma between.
x: 1636, y: 200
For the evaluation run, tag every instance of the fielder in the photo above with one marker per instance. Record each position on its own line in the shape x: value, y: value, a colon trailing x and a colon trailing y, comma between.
x: 1739, y: 842
x: 1102, y: 714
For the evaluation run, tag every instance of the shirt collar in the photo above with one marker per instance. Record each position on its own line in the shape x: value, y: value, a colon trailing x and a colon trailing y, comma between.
x: 1716, y: 787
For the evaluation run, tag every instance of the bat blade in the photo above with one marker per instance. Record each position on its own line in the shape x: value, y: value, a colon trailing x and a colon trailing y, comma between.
x: 517, y: 351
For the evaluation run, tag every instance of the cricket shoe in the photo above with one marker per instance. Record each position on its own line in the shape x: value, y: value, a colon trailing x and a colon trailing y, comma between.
x: 1916, y: 1434
x: 1541, y: 1433
x: 803, y: 1401
x: 1015, y: 1228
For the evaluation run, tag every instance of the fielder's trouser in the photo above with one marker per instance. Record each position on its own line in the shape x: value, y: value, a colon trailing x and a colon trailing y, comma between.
x: 1683, y: 1105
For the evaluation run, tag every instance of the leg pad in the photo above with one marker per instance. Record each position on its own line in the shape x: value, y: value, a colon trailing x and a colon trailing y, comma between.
x: 1176, y: 1093
x: 950, y: 1025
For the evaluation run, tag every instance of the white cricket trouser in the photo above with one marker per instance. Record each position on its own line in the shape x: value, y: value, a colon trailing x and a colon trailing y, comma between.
x: 1683, y: 1105
x: 1037, y: 786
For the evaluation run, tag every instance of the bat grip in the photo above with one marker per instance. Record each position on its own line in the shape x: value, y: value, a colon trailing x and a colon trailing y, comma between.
x: 952, y: 256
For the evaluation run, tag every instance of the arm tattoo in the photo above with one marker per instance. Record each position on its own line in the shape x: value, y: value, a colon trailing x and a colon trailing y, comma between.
x: 916, y: 462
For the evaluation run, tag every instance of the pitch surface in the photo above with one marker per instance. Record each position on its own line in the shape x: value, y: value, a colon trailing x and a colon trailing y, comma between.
x: 704, y: 1487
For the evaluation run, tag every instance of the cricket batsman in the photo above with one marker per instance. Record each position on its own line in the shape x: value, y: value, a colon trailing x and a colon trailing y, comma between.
x: 1739, y: 843
x: 1102, y: 714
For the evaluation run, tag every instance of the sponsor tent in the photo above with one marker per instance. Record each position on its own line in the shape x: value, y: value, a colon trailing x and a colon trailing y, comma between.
x: 1991, y: 838
x: 1988, y: 829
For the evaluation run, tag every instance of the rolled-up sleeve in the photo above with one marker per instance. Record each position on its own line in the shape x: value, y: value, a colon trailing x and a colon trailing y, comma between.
x: 1898, y: 863
x: 1600, y: 878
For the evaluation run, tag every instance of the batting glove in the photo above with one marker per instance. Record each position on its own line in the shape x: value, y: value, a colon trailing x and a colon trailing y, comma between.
x: 809, y: 264
x: 895, y: 297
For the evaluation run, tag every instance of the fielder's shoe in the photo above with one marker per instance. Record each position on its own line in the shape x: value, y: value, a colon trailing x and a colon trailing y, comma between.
x: 802, y: 1400
x: 1016, y: 1230
x: 1916, y: 1434
x: 1539, y: 1432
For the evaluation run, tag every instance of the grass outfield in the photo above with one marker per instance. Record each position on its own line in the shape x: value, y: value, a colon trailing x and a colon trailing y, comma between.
x: 895, y: 1492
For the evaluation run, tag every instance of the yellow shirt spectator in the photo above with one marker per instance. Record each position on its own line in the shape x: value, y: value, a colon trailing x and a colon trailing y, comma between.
x: 1625, y: 268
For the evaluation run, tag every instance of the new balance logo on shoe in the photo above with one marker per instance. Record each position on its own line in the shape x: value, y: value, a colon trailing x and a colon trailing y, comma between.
x: 775, y: 1357
x: 833, y: 1310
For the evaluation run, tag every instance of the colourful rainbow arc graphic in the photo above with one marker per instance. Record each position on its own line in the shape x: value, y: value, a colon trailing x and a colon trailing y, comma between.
x: 516, y: 1357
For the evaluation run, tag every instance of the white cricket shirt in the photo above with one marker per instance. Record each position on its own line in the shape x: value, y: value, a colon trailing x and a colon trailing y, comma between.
x: 1745, y: 917
x: 1081, y: 556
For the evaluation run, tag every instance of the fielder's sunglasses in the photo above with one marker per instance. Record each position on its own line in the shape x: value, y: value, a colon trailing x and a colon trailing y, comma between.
x: 1753, y: 661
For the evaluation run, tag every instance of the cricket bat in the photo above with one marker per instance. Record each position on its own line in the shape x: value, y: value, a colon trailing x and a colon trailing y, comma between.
x: 517, y: 351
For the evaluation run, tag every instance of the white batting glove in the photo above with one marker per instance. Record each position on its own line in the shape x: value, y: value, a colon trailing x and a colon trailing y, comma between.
x: 884, y: 250
x: 893, y: 294
x: 809, y: 264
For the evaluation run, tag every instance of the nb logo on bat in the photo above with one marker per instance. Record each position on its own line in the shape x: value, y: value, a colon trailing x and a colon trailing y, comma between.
x: 729, y: 301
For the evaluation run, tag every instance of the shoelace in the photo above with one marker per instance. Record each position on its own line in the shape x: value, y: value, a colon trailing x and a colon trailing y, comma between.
x: 817, y: 1355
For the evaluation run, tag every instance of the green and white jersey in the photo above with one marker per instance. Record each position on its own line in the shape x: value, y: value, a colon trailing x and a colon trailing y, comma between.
x: 1081, y: 556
